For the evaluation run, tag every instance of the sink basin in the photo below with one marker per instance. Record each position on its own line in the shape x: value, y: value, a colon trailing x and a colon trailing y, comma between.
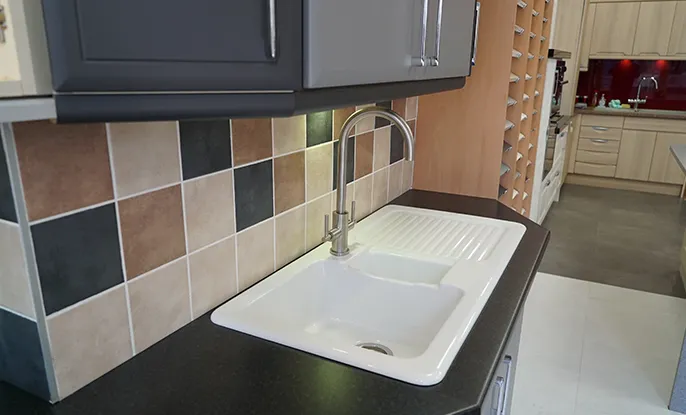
x: 400, y: 304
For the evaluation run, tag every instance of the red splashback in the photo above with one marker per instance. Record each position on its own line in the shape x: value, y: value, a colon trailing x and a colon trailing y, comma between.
x: 618, y: 79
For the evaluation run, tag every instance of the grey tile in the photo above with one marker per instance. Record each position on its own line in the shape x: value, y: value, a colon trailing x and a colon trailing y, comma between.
x: 319, y: 128
x: 254, y: 194
x: 382, y: 122
x: 7, y: 211
x: 350, y: 162
x: 205, y: 147
x: 21, y: 357
x: 78, y: 256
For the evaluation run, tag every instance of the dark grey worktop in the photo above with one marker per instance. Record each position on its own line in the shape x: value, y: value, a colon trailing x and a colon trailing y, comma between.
x: 205, y: 369
x: 629, y: 112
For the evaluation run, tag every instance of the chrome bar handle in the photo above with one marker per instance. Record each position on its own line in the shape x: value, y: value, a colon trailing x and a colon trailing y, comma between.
x: 433, y: 61
x: 476, y: 32
x: 599, y: 128
x: 497, y: 399
x: 272, y: 28
x: 421, y: 59
x: 599, y: 140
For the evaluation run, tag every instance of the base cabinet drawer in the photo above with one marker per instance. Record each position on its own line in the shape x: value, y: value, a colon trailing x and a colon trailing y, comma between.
x: 498, y: 399
x: 610, y: 121
x: 596, y: 157
x: 599, y: 144
x: 601, y: 132
x: 594, y: 169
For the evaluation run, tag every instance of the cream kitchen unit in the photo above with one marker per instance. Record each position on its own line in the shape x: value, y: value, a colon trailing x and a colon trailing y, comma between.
x: 626, y: 152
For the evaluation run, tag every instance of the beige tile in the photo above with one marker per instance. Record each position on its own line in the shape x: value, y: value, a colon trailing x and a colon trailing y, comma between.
x: 319, y: 165
x: 255, y: 254
x: 366, y: 124
x: 89, y: 340
x: 408, y: 167
x: 290, y: 236
x: 209, y: 209
x: 395, y: 180
x: 350, y: 195
x: 363, y: 196
x: 382, y: 148
x: 380, y: 191
x: 411, y: 109
x: 290, y: 134
x: 339, y: 117
x: 145, y: 155
x: 315, y: 220
x: 15, y: 292
x: 63, y: 166
x: 289, y: 181
x: 213, y: 276
x: 160, y: 304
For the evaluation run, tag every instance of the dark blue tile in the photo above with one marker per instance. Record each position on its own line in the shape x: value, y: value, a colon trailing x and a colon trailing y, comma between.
x: 205, y: 147
x: 382, y: 122
x: 319, y: 128
x: 78, y: 256
x: 21, y: 357
x: 7, y: 211
x: 254, y: 194
x: 350, y: 162
x: 397, y: 145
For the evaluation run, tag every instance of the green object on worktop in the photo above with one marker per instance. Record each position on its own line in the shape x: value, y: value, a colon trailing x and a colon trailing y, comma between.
x: 615, y: 103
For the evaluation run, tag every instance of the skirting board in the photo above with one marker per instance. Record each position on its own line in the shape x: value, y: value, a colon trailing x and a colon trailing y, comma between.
x: 622, y: 184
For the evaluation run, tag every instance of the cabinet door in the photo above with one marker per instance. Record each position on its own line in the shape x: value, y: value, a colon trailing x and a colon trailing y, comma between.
x: 614, y: 28
x: 174, y: 45
x: 677, y: 40
x: 586, y: 37
x: 653, y: 29
x: 664, y: 168
x: 568, y: 18
x: 635, y: 154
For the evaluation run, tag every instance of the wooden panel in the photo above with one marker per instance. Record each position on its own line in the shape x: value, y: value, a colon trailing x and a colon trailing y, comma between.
x: 602, y: 121
x: 597, y: 157
x: 635, y: 154
x: 601, y: 132
x: 586, y: 37
x: 634, y: 185
x: 677, y: 39
x: 460, y: 133
x: 609, y: 146
x: 594, y: 169
x: 654, y: 28
x: 655, y: 124
x: 614, y: 28
x: 664, y: 168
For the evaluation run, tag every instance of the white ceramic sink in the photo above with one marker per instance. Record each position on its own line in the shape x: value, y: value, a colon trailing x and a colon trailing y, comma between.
x: 401, y: 304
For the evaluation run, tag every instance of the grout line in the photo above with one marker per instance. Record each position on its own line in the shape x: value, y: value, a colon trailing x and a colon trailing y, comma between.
x: 129, y: 314
x: 185, y: 221
x: 16, y: 313
x: 86, y: 301
x: 154, y: 270
x: 204, y: 176
x: 210, y: 245
x: 71, y: 212
x: 235, y: 223
x: 151, y: 190
x: 305, y: 184
x: 271, y: 123
x: 9, y: 222
x: 288, y: 153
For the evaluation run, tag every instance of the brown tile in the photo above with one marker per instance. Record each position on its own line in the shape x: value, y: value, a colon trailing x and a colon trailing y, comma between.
x: 380, y: 189
x: 89, y: 340
x: 209, y: 209
x: 15, y: 292
x: 213, y: 276
x: 363, y: 196
x: 395, y: 180
x: 315, y: 219
x: 339, y: 117
x: 290, y: 134
x: 152, y: 230
x: 289, y: 181
x: 319, y: 170
x: 145, y: 155
x: 252, y: 140
x: 411, y: 108
x: 364, y: 154
x: 382, y: 148
x: 160, y: 304
x: 255, y: 254
x: 290, y: 236
x: 63, y: 167
x: 399, y: 106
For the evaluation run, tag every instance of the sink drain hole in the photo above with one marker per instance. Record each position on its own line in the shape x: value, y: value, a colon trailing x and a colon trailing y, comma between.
x: 376, y: 347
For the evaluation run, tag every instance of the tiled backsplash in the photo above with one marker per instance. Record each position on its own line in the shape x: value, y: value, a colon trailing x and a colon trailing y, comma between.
x: 139, y: 228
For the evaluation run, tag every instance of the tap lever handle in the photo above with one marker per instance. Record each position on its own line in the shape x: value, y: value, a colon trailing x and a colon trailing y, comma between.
x: 353, y: 221
x: 327, y: 229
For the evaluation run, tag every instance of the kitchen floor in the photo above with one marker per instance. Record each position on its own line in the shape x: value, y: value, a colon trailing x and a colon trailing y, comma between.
x: 617, y: 237
x: 594, y: 349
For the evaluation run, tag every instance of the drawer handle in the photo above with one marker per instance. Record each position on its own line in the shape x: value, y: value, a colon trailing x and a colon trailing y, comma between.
x: 476, y: 32
x: 433, y: 61
x: 557, y: 173
x: 547, y: 183
x: 421, y: 59
x: 599, y: 128
x: 272, y: 28
x: 498, y: 398
x: 599, y: 140
x: 508, y: 379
